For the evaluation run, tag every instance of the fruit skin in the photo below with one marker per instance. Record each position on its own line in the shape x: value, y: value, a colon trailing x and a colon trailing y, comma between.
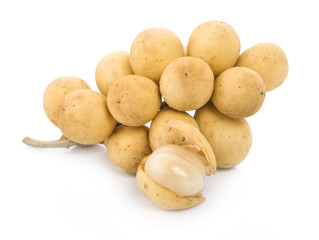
x: 195, y: 137
x: 56, y: 91
x: 164, y: 197
x: 185, y: 50
x: 152, y: 50
x: 134, y: 100
x: 161, y: 196
x: 269, y: 61
x: 187, y: 83
x: 162, y: 134
x: 83, y: 117
x: 111, y: 67
x: 127, y: 146
x: 231, y: 139
x: 239, y: 92
x: 217, y: 43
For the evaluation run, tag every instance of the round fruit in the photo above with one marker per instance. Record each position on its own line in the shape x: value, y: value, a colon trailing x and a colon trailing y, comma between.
x: 230, y: 138
x: 269, y: 60
x: 152, y: 50
x: 110, y: 68
x: 134, y: 100
x: 56, y: 91
x: 187, y: 83
x: 83, y: 117
x: 239, y: 92
x: 216, y: 43
x: 127, y: 146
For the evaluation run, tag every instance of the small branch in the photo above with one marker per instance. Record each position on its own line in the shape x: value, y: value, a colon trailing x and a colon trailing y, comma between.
x: 61, y: 143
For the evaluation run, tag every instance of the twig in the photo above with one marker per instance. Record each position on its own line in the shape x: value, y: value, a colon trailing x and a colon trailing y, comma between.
x: 61, y: 143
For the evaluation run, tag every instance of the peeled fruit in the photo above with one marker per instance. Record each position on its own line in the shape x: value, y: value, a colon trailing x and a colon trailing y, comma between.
x: 178, y: 169
x: 83, y: 117
x: 127, y: 146
x: 172, y: 177
x: 162, y: 196
x: 56, y: 91
x: 230, y: 138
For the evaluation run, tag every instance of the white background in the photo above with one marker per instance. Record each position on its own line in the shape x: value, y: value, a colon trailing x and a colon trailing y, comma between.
x: 79, y: 194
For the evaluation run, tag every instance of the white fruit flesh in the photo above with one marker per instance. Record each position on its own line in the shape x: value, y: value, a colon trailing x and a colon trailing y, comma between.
x: 178, y: 168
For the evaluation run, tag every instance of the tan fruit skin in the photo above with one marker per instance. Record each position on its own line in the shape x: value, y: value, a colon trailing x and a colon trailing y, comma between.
x: 187, y: 83
x: 239, y: 92
x: 162, y: 134
x: 134, y: 100
x: 269, y: 60
x: 195, y: 137
x: 185, y: 50
x: 152, y: 50
x: 217, y: 43
x: 110, y: 68
x: 230, y: 138
x: 56, y: 91
x: 127, y: 146
x: 161, y: 196
x: 83, y: 117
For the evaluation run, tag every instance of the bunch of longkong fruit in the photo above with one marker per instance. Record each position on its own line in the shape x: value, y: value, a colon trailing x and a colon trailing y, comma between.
x: 158, y: 81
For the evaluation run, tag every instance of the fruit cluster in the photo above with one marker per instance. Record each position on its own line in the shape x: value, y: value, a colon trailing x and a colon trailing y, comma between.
x: 157, y: 82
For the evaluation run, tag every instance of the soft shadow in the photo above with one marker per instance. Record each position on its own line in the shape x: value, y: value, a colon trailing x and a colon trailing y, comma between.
x: 96, y: 154
x: 222, y: 180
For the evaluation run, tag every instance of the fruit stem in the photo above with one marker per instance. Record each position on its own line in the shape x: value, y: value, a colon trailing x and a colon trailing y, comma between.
x: 61, y: 143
